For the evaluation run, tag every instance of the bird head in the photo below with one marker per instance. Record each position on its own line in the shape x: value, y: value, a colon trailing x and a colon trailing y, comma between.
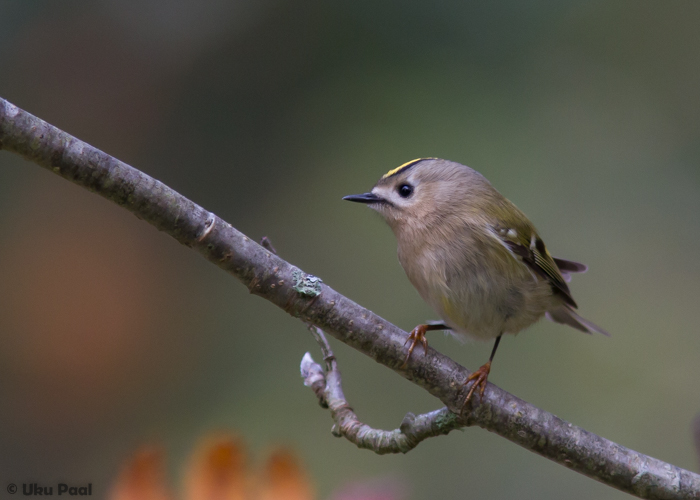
x: 426, y: 191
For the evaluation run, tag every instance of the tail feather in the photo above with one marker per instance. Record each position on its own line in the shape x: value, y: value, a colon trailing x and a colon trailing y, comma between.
x: 567, y: 267
x: 567, y: 316
x: 570, y: 266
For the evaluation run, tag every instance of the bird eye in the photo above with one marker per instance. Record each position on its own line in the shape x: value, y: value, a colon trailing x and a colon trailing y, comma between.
x: 405, y: 190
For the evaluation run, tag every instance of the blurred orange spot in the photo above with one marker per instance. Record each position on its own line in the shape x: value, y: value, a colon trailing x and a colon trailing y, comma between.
x: 143, y: 478
x: 218, y: 471
x: 284, y: 479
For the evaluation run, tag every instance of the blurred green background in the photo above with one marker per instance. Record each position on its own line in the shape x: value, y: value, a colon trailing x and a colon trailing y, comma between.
x: 267, y: 112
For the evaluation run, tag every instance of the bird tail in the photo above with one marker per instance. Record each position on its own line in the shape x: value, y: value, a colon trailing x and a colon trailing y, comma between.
x: 568, y: 267
x: 566, y: 315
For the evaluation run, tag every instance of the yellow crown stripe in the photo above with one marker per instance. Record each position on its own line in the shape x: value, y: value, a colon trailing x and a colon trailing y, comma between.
x: 403, y: 167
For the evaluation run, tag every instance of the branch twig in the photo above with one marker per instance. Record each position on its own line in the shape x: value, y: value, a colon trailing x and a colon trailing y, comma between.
x: 305, y: 297
x: 329, y: 390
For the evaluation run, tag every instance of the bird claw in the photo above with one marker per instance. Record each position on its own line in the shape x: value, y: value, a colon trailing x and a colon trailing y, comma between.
x: 480, y: 378
x: 416, y: 337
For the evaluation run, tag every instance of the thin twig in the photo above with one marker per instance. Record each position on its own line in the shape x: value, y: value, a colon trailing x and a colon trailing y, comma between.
x: 306, y: 297
x: 329, y: 390
x: 267, y: 244
x: 328, y: 356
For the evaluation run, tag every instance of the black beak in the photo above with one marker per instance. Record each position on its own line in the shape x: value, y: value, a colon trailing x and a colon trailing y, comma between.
x: 364, y: 198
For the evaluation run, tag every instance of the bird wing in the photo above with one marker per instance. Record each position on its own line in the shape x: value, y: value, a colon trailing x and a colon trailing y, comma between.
x: 524, y: 242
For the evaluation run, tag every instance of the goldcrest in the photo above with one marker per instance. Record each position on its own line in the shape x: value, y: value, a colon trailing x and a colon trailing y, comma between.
x: 472, y: 255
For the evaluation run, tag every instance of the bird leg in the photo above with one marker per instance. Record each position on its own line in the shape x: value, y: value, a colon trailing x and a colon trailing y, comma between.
x: 480, y: 377
x: 417, y: 336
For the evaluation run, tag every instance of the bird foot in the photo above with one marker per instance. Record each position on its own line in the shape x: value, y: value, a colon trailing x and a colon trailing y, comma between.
x: 480, y: 379
x: 416, y: 337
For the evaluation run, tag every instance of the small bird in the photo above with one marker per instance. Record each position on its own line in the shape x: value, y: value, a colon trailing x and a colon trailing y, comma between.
x: 473, y: 256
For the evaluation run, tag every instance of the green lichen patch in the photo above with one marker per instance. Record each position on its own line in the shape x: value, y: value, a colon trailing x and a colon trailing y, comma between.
x: 306, y: 284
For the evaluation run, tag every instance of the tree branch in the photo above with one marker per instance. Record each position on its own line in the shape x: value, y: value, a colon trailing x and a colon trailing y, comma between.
x: 306, y: 297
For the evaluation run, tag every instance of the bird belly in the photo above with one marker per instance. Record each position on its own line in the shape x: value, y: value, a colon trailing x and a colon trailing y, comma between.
x: 484, y: 315
x: 482, y: 302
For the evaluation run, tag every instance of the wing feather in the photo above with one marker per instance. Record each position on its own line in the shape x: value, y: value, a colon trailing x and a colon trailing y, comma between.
x: 525, y: 243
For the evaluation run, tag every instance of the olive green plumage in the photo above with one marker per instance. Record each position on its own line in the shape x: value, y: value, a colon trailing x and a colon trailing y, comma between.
x: 473, y: 256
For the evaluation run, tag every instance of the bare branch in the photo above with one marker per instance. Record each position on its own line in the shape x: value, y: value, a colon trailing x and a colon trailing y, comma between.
x: 306, y: 297
x: 328, y: 388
